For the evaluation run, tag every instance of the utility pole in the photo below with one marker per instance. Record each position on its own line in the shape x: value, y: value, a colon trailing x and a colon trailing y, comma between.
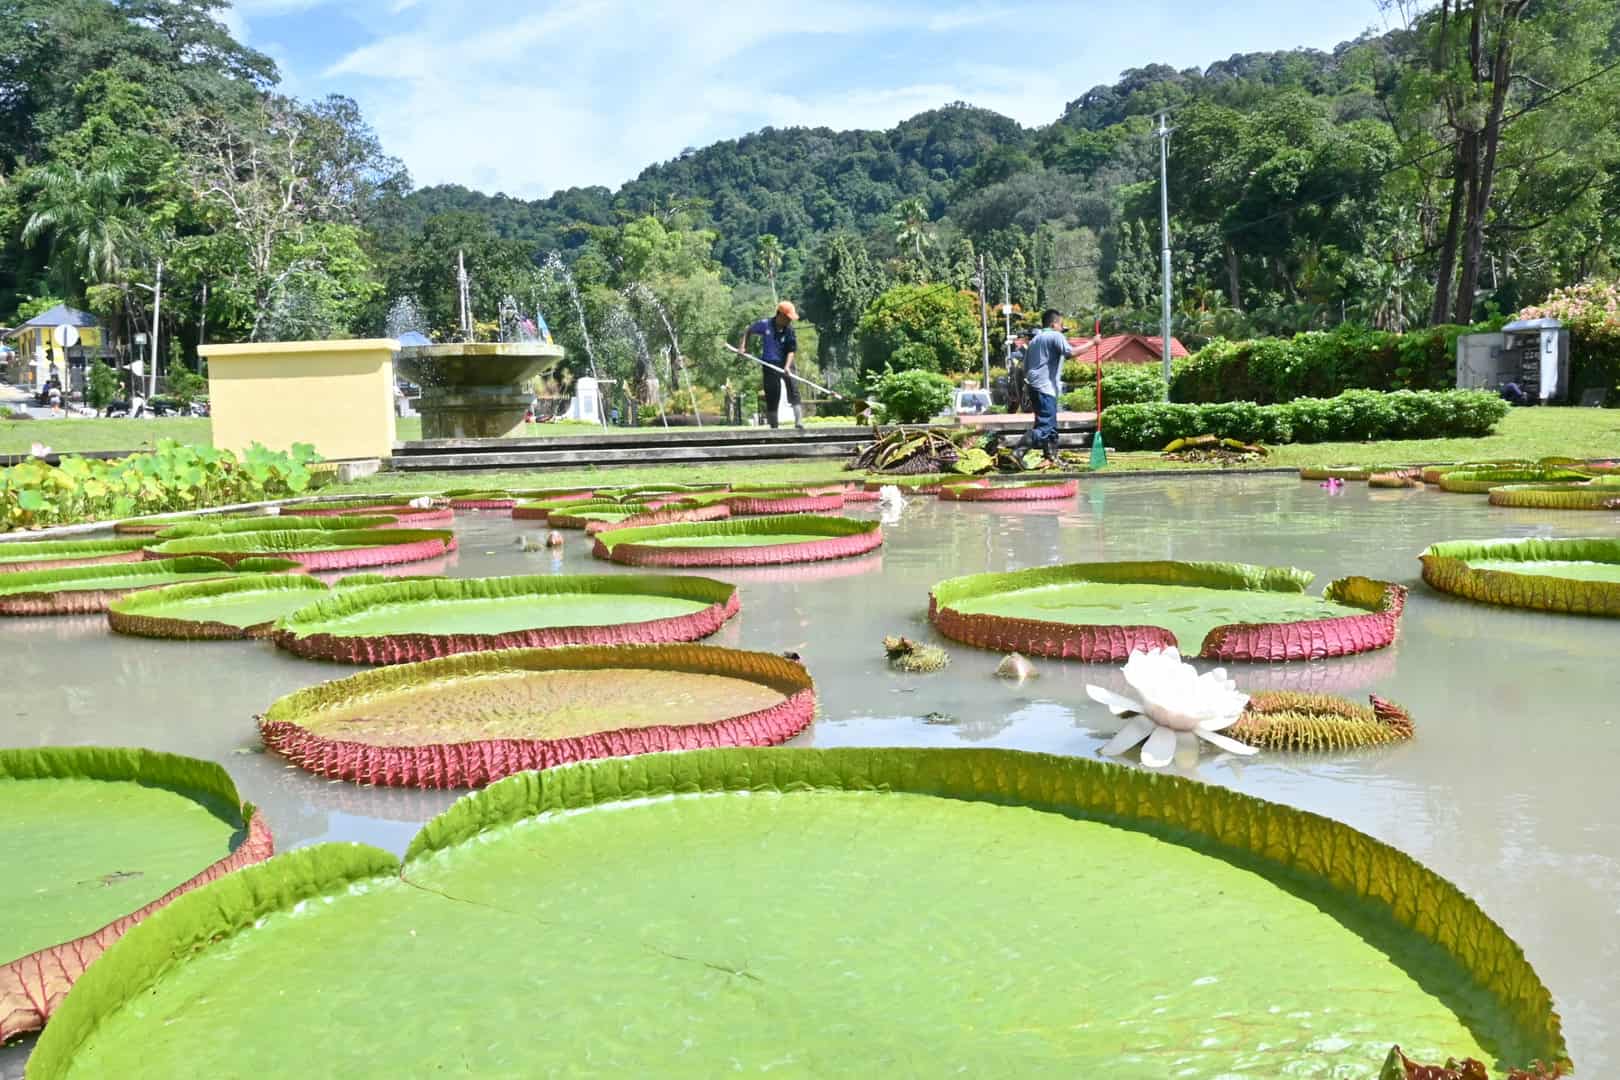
x: 1163, y: 132
x: 984, y: 322
x: 1006, y: 313
x: 157, y: 331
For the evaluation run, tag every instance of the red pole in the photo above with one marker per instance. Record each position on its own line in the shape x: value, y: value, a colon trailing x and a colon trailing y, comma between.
x: 1096, y: 353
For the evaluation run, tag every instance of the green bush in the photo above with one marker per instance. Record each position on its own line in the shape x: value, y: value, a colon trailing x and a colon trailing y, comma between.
x: 1354, y: 416
x: 1123, y: 384
x: 912, y: 397
x: 186, y: 386
x: 1321, y: 364
x: 101, y: 386
x: 173, y: 477
x: 942, y: 324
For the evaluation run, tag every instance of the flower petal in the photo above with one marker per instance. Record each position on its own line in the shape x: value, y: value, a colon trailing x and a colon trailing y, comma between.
x: 1135, y: 730
x: 1186, y: 749
x: 1160, y: 748
x: 1230, y: 745
x: 1119, y: 703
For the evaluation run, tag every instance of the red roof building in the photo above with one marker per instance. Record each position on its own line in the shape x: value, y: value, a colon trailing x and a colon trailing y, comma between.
x: 1127, y: 349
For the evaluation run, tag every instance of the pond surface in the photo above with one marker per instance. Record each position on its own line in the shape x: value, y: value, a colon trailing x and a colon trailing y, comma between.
x: 1509, y: 789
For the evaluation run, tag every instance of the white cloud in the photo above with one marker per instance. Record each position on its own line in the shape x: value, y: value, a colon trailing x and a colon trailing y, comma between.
x: 527, y: 98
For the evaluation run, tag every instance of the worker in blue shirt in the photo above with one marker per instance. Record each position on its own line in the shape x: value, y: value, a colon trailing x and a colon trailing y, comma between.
x: 1043, y: 367
x: 781, y: 346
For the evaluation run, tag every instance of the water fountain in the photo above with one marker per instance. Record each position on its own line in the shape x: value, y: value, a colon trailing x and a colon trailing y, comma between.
x: 623, y: 324
x: 553, y: 267
x: 475, y: 389
x: 642, y: 293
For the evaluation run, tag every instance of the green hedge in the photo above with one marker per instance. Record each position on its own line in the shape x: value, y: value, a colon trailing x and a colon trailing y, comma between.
x: 1121, y: 385
x: 1354, y: 416
x: 1321, y: 364
x: 1594, y: 360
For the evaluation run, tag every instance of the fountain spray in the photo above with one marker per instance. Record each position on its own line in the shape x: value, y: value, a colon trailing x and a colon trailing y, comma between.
x: 554, y: 266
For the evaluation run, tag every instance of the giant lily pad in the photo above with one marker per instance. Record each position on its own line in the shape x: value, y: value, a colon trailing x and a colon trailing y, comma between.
x: 784, y: 502
x: 1578, y: 576
x: 317, y: 549
x: 61, y: 554
x: 246, y: 606
x: 922, y: 483
x: 400, y: 509
x: 421, y: 620
x: 466, y: 721
x: 579, y: 515
x: 1028, y: 491
x: 1600, y: 494
x: 85, y: 590
x: 1480, y: 481
x: 673, y: 515
x: 273, y: 523
x: 481, y: 500
x: 96, y: 840
x: 1106, y: 611
x: 815, y: 912
x: 754, y: 542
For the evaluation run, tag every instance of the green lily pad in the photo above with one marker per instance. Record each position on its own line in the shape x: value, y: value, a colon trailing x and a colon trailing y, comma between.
x: 419, y: 620
x: 246, y: 606
x: 1602, y: 493
x: 1480, y: 481
x: 264, y: 523
x: 84, y: 589
x: 803, y: 910
x: 1105, y: 611
x: 93, y: 840
x: 1579, y: 576
x: 317, y: 548
x: 465, y: 721
x: 742, y: 542
x: 60, y: 554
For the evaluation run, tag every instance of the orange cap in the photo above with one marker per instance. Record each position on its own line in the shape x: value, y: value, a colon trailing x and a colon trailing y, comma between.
x: 786, y: 308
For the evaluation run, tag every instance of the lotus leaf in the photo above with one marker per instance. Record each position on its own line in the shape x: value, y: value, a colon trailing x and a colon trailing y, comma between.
x: 1337, y: 472
x: 1283, y: 720
x: 89, y: 589
x: 578, y: 515
x: 246, y: 606
x: 785, y: 502
x: 466, y: 721
x: 317, y: 549
x: 1433, y: 473
x: 400, y: 509
x: 1575, y: 576
x: 95, y: 840
x: 1106, y: 611
x: 756, y: 541
x: 820, y: 911
x: 60, y: 554
x: 673, y: 515
x: 481, y: 500
x: 923, y: 484
x: 420, y: 620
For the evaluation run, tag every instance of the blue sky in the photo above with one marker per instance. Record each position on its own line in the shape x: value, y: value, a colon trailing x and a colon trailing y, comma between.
x: 526, y: 97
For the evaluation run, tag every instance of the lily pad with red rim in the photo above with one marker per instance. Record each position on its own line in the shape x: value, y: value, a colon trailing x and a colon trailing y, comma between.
x: 83, y: 590
x: 404, y: 514
x: 421, y: 620
x: 1576, y: 576
x: 737, y: 910
x: 1221, y: 611
x: 273, y: 523
x: 317, y: 549
x: 17, y: 558
x: 96, y: 840
x: 579, y: 515
x: 466, y: 721
x: 791, y: 538
x: 246, y: 606
x: 1027, y: 491
x: 1602, y: 493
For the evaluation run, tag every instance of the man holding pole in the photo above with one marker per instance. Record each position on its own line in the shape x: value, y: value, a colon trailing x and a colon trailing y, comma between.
x: 781, y: 346
x: 1043, y: 366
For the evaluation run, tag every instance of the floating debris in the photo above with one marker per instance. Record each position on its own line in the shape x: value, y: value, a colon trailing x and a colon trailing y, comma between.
x: 529, y: 543
x: 917, y: 659
x: 1016, y: 667
x: 554, y: 539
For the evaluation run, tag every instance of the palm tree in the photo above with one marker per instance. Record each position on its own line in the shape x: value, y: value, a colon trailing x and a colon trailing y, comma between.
x: 86, y: 216
x: 911, y: 226
x: 768, y: 250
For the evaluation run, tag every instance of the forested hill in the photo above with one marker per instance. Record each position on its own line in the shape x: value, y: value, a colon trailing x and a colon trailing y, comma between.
x: 800, y: 183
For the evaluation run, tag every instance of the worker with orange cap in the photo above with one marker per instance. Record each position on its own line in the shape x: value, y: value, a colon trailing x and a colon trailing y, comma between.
x: 780, y: 347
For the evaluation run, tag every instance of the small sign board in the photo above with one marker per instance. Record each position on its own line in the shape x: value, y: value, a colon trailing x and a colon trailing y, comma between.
x: 66, y: 336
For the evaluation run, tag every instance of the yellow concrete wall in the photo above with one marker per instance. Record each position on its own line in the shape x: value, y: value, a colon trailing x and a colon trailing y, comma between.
x: 336, y: 395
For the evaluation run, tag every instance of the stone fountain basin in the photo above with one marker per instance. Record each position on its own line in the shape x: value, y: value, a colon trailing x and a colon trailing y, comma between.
x: 486, y: 364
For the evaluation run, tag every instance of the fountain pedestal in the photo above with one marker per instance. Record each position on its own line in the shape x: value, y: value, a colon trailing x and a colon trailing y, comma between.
x: 476, y: 391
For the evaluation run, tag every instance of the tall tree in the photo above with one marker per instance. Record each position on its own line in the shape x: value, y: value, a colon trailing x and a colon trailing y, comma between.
x: 840, y: 281
x: 910, y: 224
x: 768, y: 252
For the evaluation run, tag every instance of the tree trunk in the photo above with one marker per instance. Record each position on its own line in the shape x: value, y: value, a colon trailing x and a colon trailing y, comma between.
x: 1233, y: 272
x: 1484, y: 178
x: 1447, y: 266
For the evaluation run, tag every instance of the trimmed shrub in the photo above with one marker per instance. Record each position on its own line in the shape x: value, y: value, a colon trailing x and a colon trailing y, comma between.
x: 912, y: 397
x: 1121, y: 385
x: 1354, y: 416
x: 1321, y: 364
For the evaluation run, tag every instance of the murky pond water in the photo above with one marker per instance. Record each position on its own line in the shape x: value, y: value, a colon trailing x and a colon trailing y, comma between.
x: 1509, y: 789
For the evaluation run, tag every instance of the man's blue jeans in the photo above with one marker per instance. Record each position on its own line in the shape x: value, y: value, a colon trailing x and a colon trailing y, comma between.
x: 1044, y: 435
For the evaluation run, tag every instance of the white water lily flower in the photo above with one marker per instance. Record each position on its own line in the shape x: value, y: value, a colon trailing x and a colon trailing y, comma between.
x: 40, y: 450
x: 424, y: 503
x: 1175, y: 707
